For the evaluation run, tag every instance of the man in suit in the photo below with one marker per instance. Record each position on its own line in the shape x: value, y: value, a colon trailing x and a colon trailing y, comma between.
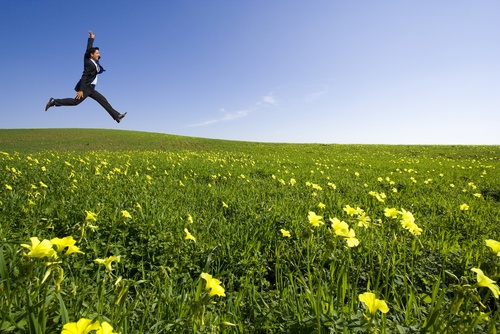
x: 86, y: 86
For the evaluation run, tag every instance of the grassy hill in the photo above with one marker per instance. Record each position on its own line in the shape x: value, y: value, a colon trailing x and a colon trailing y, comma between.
x: 84, y: 140
x: 34, y: 140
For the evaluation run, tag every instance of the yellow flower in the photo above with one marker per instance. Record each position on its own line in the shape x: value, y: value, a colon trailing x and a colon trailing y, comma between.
x: 69, y: 242
x: 90, y: 216
x: 484, y: 281
x: 364, y: 220
x: 224, y: 205
x: 373, y: 304
x: 350, y: 211
x: 342, y: 230
x: 351, y: 240
x: 190, y: 219
x: 213, y: 285
x: 464, y: 207
x: 189, y: 236
x: 217, y: 289
x: 106, y: 328
x: 108, y: 261
x: 40, y: 249
x: 43, y: 185
x: 380, y: 197
x: 285, y: 233
x: 316, y: 187
x: 494, y: 245
x: 340, y: 227
x: 125, y: 214
x: 8, y: 187
x: 83, y: 326
x: 349, y: 237
x: 411, y: 226
x: 407, y: 215
x: 391, y: 213
x: 314, y: 219
x: 321, y: 205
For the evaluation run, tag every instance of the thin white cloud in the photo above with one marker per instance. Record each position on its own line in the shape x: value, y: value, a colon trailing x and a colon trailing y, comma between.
x: 268, y: 100
x: 227, y: 116
x: 317, y: 94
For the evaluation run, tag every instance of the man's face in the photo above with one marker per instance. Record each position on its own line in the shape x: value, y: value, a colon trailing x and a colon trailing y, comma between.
x: 95, y: 56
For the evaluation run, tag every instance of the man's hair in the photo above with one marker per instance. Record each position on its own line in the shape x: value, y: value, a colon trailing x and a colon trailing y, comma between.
x: 90, y: 51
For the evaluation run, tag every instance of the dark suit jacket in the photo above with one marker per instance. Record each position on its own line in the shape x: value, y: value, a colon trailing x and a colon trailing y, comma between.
x: 89, y: 72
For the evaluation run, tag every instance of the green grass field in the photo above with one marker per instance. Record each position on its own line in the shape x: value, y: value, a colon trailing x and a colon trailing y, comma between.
x: 152, y: 233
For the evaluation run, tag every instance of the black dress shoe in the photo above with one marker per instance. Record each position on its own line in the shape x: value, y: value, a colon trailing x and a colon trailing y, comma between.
x: 49, y: 104
x: 119, y: 118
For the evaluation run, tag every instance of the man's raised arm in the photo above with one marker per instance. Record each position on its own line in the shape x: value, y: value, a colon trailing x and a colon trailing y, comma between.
x: 90, y: 42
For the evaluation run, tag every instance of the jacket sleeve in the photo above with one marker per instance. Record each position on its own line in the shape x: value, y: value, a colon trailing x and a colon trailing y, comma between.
x: 88, y: 67
x: 90, y: 43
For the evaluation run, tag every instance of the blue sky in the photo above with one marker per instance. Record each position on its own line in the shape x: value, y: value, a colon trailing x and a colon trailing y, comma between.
x: 374, y: 72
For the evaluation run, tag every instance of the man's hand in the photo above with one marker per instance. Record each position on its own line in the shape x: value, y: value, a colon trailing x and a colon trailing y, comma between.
x: 91, y: 35
x: 79, y: 95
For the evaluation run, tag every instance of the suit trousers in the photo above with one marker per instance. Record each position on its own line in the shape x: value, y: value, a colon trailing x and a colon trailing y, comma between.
x: 92, y: 94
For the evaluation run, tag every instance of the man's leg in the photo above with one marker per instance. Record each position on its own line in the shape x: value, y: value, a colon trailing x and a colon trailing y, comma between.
x: 63, y: 102
x: 105, y: 104
x: 68, y: 101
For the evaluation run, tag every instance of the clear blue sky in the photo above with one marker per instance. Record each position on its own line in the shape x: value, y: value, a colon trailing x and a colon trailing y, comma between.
x: 325, y: 71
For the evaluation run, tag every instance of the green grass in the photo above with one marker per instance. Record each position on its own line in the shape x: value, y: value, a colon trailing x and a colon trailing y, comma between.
x: 62, y: 140
x: 240, y: 196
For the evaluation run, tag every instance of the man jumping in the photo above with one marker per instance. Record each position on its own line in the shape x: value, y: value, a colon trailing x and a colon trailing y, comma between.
x: 86, y: 86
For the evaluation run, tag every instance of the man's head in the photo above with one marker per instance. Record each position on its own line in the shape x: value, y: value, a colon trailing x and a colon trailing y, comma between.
x: 93, y: 53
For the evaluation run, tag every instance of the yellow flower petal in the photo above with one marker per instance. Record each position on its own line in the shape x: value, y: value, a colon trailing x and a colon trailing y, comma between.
x: 485, y: 281
x: 126, y: 214
x: 189, y: 236
x: 373, y: 304
x: 214, y: 285
x: 90, y: 216
x: 391, y: 213
x: 106, y: 328
x: 314, y: 219
x: 108, y: 261
x: 83, y: 326
x: 350, y: 211
x: 285, y: 233
x: 40, y: 249
x: 494, y: 245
